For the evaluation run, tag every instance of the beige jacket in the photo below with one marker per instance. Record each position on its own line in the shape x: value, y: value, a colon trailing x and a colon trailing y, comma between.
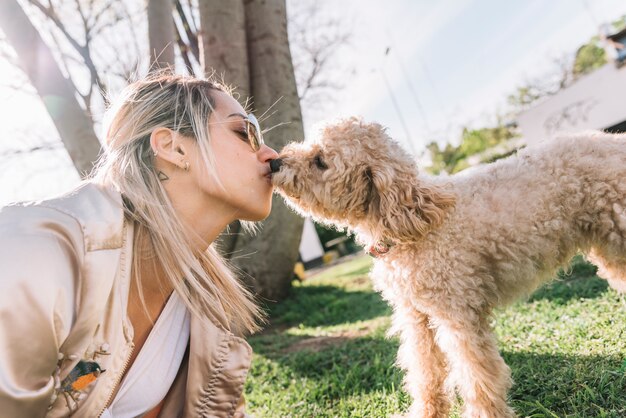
x: 64, y: 280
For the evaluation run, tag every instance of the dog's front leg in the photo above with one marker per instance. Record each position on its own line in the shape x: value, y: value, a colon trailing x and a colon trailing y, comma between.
x: 477, y: 369
x: 424, y: 364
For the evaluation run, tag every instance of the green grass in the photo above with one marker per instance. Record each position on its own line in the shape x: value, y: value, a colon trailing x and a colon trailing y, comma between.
x: 326, y: 354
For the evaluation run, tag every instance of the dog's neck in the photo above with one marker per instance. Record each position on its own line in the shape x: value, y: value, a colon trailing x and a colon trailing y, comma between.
x: 373, y: 246
x: 379, y: 249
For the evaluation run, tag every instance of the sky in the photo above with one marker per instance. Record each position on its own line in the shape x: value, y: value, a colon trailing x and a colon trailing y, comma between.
x: 452, y: 63
x: 423, y: 68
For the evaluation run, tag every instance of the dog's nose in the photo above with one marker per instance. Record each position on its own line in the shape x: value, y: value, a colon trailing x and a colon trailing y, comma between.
x: 275, y: 165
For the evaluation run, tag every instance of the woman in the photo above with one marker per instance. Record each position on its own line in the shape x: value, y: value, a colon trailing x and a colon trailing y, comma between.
x: 113, y: 302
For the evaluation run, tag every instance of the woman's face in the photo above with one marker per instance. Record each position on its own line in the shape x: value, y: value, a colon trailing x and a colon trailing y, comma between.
x: 244, y: 173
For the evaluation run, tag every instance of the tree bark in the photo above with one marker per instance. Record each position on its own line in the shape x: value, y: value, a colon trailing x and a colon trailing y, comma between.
x: 57, y: 92
x: 223, y: 53
x: 161, y: 33
x: 276, y: 247
x: 223, y: 43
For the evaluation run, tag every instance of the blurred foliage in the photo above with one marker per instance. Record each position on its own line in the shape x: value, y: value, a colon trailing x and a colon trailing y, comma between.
x: 327, y: 234
x: 452, y: 159
x: 589, y: 57
x: 620, y: 23
x: 525, y: 95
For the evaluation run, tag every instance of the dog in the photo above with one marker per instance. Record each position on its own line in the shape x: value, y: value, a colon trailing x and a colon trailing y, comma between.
x: 449, y: 249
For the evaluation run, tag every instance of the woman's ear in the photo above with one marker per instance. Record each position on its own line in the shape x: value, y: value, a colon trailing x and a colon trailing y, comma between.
x: 167, y: 145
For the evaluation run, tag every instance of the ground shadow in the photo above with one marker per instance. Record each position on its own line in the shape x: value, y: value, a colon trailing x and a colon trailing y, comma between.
x: 577, y: 281
x: 545, y: 384
x: 314, y: 306
x: 342, y: 366
x: 561, y: 291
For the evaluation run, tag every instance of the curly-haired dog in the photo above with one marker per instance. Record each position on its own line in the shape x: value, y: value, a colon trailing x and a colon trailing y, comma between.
x: 450, y: 249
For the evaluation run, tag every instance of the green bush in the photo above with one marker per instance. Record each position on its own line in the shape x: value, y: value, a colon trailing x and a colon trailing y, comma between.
x: 588, y: 58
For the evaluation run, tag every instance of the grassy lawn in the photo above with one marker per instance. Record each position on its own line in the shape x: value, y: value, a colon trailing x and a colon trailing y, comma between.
x: 326, y: 354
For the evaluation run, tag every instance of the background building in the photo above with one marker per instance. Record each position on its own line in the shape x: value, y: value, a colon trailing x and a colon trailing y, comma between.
x: 595, y: 101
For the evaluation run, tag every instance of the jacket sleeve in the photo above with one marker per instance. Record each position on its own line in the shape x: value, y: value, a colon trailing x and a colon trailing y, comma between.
x: 41, y: 253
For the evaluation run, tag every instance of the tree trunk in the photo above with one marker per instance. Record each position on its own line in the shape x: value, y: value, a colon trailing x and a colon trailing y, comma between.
x: 273, y: 83
x: 161, y: 33
x: 57, y: 92
x: 224, y: 52
x: 223, y: 43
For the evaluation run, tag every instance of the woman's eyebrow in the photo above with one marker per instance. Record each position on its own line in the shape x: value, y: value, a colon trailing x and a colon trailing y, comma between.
x: 237, y: 114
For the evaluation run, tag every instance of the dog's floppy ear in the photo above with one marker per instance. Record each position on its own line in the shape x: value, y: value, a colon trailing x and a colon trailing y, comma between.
x: 400, y: 208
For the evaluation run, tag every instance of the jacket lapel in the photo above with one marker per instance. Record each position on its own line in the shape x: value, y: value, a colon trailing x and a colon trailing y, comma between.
x: 212, y: 375
x: 217, y: 369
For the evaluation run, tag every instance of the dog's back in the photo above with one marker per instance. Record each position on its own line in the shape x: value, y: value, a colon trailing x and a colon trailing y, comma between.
x: 554, y: 178
x: 528, y: 214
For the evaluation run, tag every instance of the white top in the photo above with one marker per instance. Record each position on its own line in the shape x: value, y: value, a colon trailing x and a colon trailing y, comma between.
x: 151, y: 375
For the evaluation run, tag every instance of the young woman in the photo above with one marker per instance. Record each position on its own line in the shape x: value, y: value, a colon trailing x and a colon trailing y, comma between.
x: 113, y: 302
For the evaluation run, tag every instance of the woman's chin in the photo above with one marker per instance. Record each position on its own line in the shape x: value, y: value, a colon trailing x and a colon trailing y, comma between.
x: 258, y: 215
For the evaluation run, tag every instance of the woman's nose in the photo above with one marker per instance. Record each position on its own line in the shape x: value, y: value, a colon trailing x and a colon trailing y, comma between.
x: 266, y: 153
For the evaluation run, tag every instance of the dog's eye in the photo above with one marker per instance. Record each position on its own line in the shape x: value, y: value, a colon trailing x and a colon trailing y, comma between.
x: 319, y: 163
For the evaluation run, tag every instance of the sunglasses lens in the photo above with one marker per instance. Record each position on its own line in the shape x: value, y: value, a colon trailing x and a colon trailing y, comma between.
x: 254, y: 133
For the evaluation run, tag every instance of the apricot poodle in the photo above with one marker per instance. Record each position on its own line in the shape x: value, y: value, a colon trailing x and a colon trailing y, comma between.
x: 451, y: 248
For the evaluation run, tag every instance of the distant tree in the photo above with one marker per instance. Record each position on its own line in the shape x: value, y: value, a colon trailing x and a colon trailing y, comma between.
x: 551, y: 82
x: 589, y: 57
x: 525, y: 95
x: 474, y: 142
x: 315, y: 41
x: 75, y: 126
x: 619, y: 23
x: 444, y: 160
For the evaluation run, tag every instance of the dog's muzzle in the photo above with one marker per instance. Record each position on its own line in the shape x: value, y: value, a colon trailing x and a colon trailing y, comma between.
x: 275, y: 165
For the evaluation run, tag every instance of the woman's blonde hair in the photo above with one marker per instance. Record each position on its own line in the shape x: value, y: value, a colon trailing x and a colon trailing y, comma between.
x: 184, y: 105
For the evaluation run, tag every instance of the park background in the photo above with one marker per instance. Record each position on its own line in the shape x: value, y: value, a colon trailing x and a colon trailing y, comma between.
x: 456, y: 82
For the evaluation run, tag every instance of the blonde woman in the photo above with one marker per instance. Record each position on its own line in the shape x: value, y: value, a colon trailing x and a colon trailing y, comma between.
x: 113, y: 302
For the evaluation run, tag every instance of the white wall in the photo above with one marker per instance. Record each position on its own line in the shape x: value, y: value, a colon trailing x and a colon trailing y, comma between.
x: 310, y: 244
x: 595, y: 101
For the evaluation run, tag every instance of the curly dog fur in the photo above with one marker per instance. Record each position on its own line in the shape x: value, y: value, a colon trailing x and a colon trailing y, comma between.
x: 461, y: 245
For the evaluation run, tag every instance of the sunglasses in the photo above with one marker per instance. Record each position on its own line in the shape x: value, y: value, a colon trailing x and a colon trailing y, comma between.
x: 255, y: 135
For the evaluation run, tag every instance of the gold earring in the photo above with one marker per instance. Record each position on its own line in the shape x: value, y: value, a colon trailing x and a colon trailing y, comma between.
x: 186, y: 166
